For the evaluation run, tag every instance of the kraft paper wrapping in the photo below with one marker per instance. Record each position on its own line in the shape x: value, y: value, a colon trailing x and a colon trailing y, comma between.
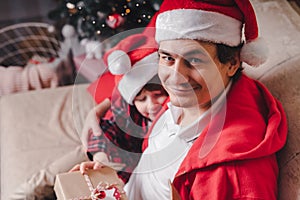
x: 72, y: 185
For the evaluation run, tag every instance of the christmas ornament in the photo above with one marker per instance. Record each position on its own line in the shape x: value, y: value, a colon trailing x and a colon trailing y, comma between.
x: 114, y: 21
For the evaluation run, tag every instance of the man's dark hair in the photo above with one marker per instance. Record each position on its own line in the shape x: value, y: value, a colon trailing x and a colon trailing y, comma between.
x: 227, y: 54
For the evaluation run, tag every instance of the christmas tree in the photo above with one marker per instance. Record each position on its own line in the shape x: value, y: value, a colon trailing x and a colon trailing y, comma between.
x: 100, y: 19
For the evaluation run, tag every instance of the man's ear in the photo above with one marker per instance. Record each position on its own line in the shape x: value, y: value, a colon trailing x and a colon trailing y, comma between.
x: 234, y: 64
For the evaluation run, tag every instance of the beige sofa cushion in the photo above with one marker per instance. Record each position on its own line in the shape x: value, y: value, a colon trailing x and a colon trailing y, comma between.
x: 40, y: 135
x: 284, y: 83
x: 280, y: 26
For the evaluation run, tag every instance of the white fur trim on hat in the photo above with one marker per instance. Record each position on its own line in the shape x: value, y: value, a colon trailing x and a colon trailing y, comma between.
x: 118, y: 62
x: 140, y: 74
x: 198, y: 24
x: 255, y: 52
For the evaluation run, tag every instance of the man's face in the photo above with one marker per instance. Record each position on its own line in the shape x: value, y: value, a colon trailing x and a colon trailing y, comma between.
x: 191, y: 72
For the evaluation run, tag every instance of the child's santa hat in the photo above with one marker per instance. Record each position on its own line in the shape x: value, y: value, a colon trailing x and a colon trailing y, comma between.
x: 135, y: 62
x: 217, y: 21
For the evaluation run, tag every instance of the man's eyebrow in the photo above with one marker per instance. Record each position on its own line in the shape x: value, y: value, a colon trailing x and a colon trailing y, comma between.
x: 196, y: 51
x: 164, y: 52
x: 189, y: 53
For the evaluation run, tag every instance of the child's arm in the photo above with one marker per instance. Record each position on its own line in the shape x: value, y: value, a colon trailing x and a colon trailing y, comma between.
x: 102, y: 108
x: 101, y: 157
x: 91, y: 124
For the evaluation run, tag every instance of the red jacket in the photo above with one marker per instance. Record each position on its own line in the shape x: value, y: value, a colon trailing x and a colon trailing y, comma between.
x: 234, y: 157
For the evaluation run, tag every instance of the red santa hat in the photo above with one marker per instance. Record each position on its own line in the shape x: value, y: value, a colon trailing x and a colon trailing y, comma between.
x: 220, y: 21
x: 134, y: 61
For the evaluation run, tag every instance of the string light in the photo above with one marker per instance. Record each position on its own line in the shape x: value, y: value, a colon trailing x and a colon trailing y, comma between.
x: 70, y: 5
x: 90, y: 17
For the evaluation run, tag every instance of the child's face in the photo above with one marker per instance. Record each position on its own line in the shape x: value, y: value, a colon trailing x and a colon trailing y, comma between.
x: 149, y: 103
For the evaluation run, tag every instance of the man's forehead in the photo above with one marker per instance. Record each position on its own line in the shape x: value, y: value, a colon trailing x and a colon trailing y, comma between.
x: 184, y: 47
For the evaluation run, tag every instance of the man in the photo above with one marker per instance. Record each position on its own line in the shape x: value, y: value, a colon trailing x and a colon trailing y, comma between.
x: 221, y: 130
x: 219, y: 136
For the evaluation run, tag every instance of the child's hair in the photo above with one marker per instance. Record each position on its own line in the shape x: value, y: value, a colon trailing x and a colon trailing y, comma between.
x: 153, y: 85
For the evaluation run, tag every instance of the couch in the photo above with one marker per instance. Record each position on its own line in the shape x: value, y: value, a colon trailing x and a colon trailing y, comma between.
x: 40, y: 130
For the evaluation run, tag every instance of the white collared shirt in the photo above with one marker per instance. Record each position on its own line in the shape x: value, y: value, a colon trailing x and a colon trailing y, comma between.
x: 167, y: 147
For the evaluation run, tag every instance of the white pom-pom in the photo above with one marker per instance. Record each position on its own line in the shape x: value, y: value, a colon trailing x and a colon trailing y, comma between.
x: 68, y: 31
x: 51, y: 29
x: 118, y: 62
x: 255, y: 52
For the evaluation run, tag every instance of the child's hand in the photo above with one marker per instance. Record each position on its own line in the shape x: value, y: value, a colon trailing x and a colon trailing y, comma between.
x: 84, y: 166
x: 91, y: 126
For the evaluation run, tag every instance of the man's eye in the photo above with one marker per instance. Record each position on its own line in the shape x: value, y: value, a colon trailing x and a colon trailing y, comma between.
x: 195, y: 60
x: 166, y: 57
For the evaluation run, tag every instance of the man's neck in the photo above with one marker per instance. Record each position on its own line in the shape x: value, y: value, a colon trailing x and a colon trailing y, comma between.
x: 189, y: 115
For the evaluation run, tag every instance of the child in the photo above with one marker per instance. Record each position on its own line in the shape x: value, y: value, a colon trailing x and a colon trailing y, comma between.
x: 134, y: 104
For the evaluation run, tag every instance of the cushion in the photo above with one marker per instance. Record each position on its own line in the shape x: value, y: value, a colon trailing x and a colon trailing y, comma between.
x: 40, y: 136
x: 280, y: 26
x: 284, y: 84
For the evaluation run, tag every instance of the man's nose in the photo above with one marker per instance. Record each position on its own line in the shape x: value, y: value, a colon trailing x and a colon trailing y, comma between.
x: 180, y: 71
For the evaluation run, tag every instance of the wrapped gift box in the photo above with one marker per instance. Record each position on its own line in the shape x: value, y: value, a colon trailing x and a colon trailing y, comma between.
x: 73, y: 185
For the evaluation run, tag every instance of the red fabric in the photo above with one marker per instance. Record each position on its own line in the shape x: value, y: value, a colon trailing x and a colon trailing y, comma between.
x: 251, y: 27
x: 226, y: 7
x: 238, y: 161
x: 102, y: 88
x: 150, y: 29
x: 137, y: 47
